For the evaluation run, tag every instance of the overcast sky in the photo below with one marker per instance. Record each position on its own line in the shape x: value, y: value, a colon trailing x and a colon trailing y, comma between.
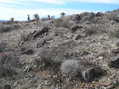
x: 20, y: 8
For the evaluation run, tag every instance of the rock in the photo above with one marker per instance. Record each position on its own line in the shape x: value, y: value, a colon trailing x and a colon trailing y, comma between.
x: 75, y: 28
x: 78, y: 37
x: 28, y: 51
x: 76, y: 18
x: 7, y: 87
x: 116, y: 18
x: 41, y: 43
x: 40, y: 32
x: 93, y: 73
x: 115, y: 51
x: 99, y: 14
x: 115, y: 62
x: 84, y: 71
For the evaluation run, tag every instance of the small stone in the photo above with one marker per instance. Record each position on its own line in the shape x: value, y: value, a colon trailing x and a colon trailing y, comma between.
x: 101, y: 57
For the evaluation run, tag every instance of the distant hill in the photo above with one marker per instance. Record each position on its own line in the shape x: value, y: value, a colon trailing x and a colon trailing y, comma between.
x: 3, y: 20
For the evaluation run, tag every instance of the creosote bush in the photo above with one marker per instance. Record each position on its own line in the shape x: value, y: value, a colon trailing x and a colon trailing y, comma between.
x: 9, y: 62
x: 9, y: 59
x: 49, y: 58
x: 3, y: 46
x: 91, y: 30
x: 8, y: 28
x: 62, y: 23
x: 115, y: 34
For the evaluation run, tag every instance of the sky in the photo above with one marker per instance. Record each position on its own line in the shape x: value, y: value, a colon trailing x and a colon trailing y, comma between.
x: 19, y: 9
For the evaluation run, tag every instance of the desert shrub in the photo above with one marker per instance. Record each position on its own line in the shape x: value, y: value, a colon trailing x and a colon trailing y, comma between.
x: 114, y: 16
x: 95, y: 28
x: 43, y: 31
x: 5, y: 28
x: 90, y: 32
x: 27, y: 48
x: 78, y: 37
x: 9, y: 62
x: 40, y: 43
x: 7, y: 86
x: 24, y: 37
x: 60, y: 31
x: 117, y: 43
x: 27, y: 51
x: 62, y: 22
x: 3, y: 46
x: 75, y: 28
x: 58, y: 22
x: 99, y: 14
x: 9, y: 59
x: 49, y: 58
x: 70, y: 67
x: 84, y: 70
x: 7, y: 71
x: 114, y: 33
x: 86, y: 16
x: 52, y: 57
x: 8, y: 28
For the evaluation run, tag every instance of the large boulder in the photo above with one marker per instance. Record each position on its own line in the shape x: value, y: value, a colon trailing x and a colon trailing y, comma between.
x: 93, y: 73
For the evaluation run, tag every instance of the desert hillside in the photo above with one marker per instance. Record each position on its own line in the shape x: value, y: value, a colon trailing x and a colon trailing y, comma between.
x: 79, y: 51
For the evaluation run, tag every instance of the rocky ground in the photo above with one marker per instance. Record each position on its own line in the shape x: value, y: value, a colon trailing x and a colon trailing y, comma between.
x: 79, y: 51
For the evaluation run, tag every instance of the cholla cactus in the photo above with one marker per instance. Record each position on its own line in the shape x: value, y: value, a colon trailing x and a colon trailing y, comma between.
x: 70, y: 67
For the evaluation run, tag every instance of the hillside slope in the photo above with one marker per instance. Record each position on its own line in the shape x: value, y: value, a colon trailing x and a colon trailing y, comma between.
x: 71, y: 52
